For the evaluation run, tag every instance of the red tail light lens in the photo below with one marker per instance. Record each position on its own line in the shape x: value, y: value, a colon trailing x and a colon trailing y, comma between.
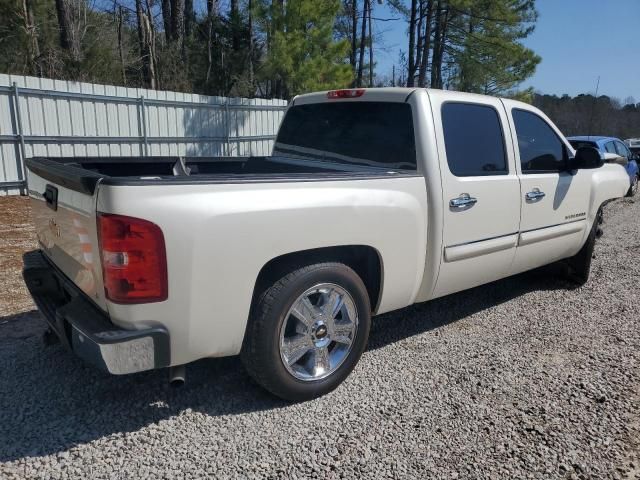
x: 134, y: 260
x: 349, y: 93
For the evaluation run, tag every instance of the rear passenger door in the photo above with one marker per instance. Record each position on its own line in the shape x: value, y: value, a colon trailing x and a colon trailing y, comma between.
x: 555, y: 201
x: 480, y: 188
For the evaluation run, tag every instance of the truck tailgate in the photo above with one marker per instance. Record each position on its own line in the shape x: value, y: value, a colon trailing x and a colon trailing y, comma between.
x: 65, y: 221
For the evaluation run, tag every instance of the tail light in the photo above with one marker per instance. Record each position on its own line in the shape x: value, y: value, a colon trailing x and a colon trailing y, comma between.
x: 349, y: 93
x: 134, y: 260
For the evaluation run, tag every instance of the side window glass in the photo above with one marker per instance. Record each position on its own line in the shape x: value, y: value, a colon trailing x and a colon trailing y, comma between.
x: 610, y: 147
x: 473, y: 139
x: 622, y: 150
x: 541, y: 151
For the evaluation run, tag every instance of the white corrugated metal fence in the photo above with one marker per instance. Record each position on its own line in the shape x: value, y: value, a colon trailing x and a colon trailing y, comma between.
x: 43, y: 117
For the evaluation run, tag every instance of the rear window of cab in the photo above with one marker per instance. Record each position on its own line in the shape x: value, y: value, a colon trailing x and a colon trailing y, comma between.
x: 376, y: 134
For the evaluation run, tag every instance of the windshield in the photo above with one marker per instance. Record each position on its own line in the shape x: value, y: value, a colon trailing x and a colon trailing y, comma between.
x: 376, y: 134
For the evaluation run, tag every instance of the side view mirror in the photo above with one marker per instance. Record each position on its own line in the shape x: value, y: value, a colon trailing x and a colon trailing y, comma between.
x: 586, y: 157
x: 615, y: 158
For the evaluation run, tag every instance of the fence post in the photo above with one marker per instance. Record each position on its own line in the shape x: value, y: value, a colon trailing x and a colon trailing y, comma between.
x: 22, y: 151
x: 227, y: 127
x: 143, y: 119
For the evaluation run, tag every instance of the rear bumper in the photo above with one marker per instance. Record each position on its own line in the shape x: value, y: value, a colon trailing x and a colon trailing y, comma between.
x: 85, y: 329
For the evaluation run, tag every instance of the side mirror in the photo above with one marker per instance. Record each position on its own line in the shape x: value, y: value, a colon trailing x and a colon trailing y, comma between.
x: 615, y: 158
x: 586, y: 157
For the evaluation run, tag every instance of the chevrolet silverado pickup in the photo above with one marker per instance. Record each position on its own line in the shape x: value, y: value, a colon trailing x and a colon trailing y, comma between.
x: 372, y: 200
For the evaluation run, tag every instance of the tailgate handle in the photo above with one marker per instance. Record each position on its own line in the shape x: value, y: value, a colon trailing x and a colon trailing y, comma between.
x: 51, y: 197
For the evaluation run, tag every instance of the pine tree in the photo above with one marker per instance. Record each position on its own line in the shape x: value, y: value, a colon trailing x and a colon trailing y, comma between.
x: 302, y: 54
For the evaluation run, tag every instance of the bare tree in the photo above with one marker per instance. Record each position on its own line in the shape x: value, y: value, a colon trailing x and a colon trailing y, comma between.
x: 354, y: 34
x: 177, y: 21
x: 426, y: 45
x: 72, y: 24
x: 120, y: 27
x: 212, y: 13
x: 411, y: 74
x: 32, y: 34
x: 370, y: 45
x: 189, y: 17
x: 363, y: 33
x: 146, y: 39
x: 166, y: 19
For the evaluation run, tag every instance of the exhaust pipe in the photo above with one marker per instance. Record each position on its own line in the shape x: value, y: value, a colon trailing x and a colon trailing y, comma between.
x: 177, y: 375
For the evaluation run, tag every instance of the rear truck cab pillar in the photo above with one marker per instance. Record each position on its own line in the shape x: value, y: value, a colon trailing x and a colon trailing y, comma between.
x: 373, y: 199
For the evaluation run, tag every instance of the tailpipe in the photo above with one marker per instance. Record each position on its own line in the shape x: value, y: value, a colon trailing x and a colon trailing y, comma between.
x: 177, y: 375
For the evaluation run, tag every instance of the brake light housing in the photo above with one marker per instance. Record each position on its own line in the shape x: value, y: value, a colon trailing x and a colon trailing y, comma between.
x: 346, y: 93
x: 134, y: 259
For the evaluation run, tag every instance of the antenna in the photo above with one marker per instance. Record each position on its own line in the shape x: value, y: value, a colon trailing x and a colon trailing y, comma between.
x: 593, y: 107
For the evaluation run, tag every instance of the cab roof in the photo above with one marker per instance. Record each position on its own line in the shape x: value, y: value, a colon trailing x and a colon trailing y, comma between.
x: 382, y: 94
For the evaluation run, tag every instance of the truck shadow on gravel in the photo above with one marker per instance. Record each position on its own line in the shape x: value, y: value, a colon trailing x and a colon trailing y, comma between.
x: 50, y: 401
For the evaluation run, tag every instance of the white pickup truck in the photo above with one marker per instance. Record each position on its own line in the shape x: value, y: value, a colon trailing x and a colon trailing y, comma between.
x: 373, y: 199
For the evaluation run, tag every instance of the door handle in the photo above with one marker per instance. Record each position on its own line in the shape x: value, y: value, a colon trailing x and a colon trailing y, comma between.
x: 535, y: 194
x: 463, y: 201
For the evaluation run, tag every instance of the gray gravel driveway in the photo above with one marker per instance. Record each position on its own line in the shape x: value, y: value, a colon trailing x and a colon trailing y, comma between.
x: 522, y: 378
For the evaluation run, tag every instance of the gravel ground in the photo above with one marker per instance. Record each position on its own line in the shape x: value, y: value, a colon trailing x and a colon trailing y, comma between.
x: 523, y: 378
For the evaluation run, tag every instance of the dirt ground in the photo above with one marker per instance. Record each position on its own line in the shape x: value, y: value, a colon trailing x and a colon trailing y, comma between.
x: 17, y: 236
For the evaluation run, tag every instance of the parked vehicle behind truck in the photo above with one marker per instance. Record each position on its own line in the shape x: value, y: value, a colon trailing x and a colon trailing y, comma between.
x: 613, y: 150
x: 373, y: 199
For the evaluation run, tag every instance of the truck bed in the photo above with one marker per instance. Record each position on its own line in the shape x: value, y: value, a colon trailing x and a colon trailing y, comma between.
x: 84, y: 173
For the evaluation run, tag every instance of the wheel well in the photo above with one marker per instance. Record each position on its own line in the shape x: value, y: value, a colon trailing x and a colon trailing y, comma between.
x: 363, y: 259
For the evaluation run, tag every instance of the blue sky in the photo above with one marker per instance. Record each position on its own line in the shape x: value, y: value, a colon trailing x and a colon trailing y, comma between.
x: 578, y: 41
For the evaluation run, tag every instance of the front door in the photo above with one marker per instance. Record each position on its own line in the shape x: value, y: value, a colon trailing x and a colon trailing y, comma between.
x: 555, y: 201
x: 481, y: 192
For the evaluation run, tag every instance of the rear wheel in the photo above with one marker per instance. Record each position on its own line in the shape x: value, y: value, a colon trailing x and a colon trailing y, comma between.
x: 308, y: 331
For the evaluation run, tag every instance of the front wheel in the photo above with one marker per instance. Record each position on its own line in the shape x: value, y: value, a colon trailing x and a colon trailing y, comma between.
x: 579, y: 266
x: 633, y: 189
x: 308, y: 331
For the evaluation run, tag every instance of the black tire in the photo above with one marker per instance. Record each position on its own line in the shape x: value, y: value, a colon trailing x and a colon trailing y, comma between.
x: 633, y: 189
x: 579, y: 266
x: 261, y: 348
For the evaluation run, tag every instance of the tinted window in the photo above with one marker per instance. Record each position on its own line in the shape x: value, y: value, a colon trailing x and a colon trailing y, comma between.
x: 473, y: 140
x: 366, y: 133
x: 610, y: 147
x: 582, y: 143
x: 621, y: 149
x: 540, y: 148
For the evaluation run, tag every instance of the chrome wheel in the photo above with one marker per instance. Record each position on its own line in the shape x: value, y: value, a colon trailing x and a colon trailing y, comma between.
x: 318, y: 332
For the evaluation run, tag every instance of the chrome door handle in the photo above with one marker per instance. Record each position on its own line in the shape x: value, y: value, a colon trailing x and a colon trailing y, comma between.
x: 535, y: 194
x: 463, y: 201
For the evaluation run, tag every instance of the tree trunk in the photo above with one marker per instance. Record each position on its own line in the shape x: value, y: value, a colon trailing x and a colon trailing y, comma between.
x: 120, y: 23
x: 177, y: 20
x: 166, y: 19
x: 370, y: 45
x: 363, y: 33
x: 212, y: 12
x: 147, y: 46
x: 411, y: 71
x: 420, y: 38
x: 442, y: 43
x: 436, y: 62
x: 250, y: 27
x: 32, y: 33
x: 426, y: 47
x: 354, y: 34
x: 189, y: 17
x: 234, y: 18
x: 69, y: 31
x: 64, y: 23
